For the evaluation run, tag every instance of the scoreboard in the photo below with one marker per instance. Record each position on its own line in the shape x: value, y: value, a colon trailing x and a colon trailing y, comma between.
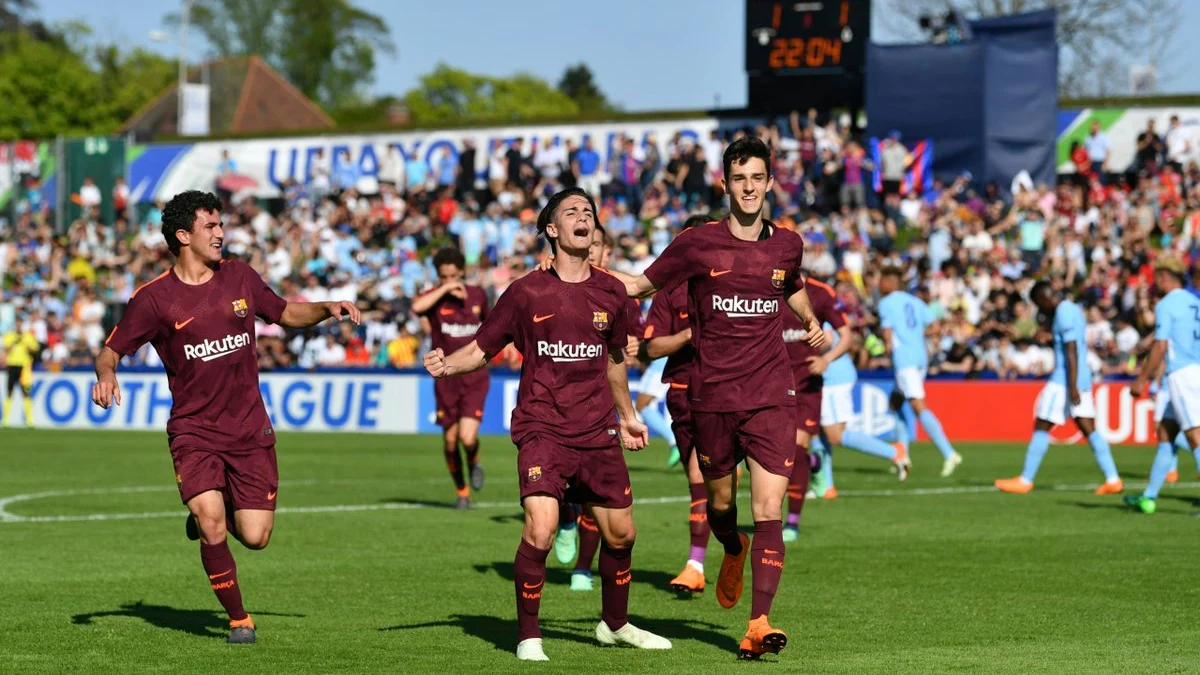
x: 806, y: 52
x: 806, y: 36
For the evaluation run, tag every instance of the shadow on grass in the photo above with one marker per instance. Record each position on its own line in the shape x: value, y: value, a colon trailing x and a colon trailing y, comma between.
x: 560, y: 576
x: 202, y: 622
x: 1118, y: 506
x: 501, y: 632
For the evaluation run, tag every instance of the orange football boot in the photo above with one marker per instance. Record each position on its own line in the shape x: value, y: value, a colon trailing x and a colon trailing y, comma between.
x: 1016, y: 486
x: 831, y: 493
x: 1114, y: 487
x: 690, y: 580
x: 729, y: 581
x: 761, y: 639
x: 1173, y: 476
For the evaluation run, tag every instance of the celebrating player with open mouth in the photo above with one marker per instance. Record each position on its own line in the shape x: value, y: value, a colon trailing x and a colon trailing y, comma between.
x: 570, y: 323
x: 742, y: 393
x: 199, y: 315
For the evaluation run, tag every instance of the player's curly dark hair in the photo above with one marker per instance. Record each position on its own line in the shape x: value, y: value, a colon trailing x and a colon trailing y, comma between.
x: 695, y: 221
x: 180, y: 214
x: 449, y: 256
x: 744, y: 148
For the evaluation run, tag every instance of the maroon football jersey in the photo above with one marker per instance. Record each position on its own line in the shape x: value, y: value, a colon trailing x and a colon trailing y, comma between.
x: 205, y: 337
x: 566, y: 332
x: 736, y: 290
x: 827, y: 309
x: 454, y: 322
x: 668, y: 316
x: 635, y: 322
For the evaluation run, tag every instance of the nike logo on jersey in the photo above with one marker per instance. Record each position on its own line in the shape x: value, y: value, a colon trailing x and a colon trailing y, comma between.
x: 539, y: 319
x: 180, y: 324
x: 717, y: 273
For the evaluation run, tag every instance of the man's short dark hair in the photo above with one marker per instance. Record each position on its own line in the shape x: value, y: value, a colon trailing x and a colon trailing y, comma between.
x: 180, y: 214
x: 893, y: 271
x: 695, y: 221
x: 551, y: 208
x: 1041, y: 288
x: 449, y: 256
x: 742, y: 150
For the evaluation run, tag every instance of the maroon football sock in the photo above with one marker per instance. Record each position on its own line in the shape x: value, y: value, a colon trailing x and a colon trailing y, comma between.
x: 766, y: 564
x: 472, y: 451
x: 589, y: 541
x: 615, y: 576
x: 724, y: 529
x: 698, y: 521
x: 798, y: 486
x: 529, y: 576
x: 222, y: 576
x: 454, y: 464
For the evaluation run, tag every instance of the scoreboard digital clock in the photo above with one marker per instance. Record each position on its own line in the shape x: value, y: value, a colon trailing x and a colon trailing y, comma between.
x: 803, y: 37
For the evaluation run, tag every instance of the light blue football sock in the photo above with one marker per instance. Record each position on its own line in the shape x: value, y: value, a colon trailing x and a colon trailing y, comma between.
x: 1104, y: 456
x: 657, y: 422
x: 1163, y: 458
x: 933, y: 427
x: 910, y: 424
x: 901, y: 430
x: 1038, y: 445
x: 827, y: 466
x: 865, y: 443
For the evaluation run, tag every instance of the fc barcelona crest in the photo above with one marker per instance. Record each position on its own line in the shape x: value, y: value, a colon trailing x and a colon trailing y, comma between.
x: 777, y: 277
x: 535, y: 474
x: 600, y: 320
x: 240, y: 307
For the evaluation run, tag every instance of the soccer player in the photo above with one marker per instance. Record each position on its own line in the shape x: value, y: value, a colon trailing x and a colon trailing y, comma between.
x: 1177, y: 339
x: 455, y: 312
x: 570, y: 323
x: 199, y: 315
x: 669, y: 334
x: 1166, y: 457
x: 739, y: 271
x: 20, y: 347
x: 1068, y: 393
x: 808, y: 367
x: 904, y: 318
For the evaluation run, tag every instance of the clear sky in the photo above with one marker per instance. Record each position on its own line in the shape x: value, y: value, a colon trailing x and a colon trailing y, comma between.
x: 646, y: 54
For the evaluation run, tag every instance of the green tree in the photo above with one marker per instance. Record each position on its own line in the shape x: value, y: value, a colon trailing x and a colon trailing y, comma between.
x: 326, y: 48
x: 48, y: 91
x: 131, y: 79
x: 578, y: 83
x: 450, y: 95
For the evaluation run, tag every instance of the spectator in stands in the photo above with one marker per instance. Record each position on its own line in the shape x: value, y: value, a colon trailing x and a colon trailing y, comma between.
x: 1098, y: 151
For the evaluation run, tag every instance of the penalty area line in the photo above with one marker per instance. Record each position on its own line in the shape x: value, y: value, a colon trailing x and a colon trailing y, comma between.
x: 11, y: 518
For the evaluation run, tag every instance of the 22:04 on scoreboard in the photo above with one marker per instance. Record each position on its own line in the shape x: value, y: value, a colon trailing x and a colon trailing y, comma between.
x: 807, y: 37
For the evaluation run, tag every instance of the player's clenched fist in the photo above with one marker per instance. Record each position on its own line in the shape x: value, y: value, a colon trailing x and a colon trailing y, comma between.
x: 105, y: 393
x: 816, y: 336
x: 435, y: 362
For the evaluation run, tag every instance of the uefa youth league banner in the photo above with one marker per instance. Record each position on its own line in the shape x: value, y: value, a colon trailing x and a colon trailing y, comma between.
x: 399, y: 403
x: 159, y: 171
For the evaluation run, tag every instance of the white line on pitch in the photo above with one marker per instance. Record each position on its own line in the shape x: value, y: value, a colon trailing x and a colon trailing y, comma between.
x: 6, y: 517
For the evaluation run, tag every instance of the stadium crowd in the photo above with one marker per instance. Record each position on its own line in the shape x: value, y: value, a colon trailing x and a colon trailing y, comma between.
x: 970, y: 251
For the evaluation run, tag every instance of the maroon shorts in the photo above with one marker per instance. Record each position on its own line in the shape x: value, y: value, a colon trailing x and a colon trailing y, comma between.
x: 808, y: 405
x: 248, y: 478
x: 766, y: 435
x: 594, y: 477
x: 681, y: 420
x: 459, y: 397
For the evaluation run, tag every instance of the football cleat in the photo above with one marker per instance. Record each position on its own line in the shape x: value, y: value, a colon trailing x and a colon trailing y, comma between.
x: 761, y: 639
x: 689, y: 581
x: 1173, y: 476
x: 566, y: 544
x: 192, y: 528
x: 951, y: 464
x: 1112, y: 487
x: 531, y: 650
x: 790, y: 533
x: 582, y: 582
x: 477, y: 477
x: 1144, y: 504
x: 631, y: 635
x: 241, y: 632
x: 1016, y: 486
x: 729, y: 581
x: 673, y: 457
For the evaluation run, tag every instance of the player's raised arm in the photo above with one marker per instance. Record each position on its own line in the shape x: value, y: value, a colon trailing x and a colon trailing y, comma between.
x: 464, y: 360
x: 422, y: 304
x: 305, y: 314
x: 802, y: 306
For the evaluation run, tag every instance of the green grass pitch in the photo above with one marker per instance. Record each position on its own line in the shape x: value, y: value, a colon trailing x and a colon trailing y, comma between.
x: 369, y: 572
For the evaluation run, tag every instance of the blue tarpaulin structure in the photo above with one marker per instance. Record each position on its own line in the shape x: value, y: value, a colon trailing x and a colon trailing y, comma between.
x: 990, y: 103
